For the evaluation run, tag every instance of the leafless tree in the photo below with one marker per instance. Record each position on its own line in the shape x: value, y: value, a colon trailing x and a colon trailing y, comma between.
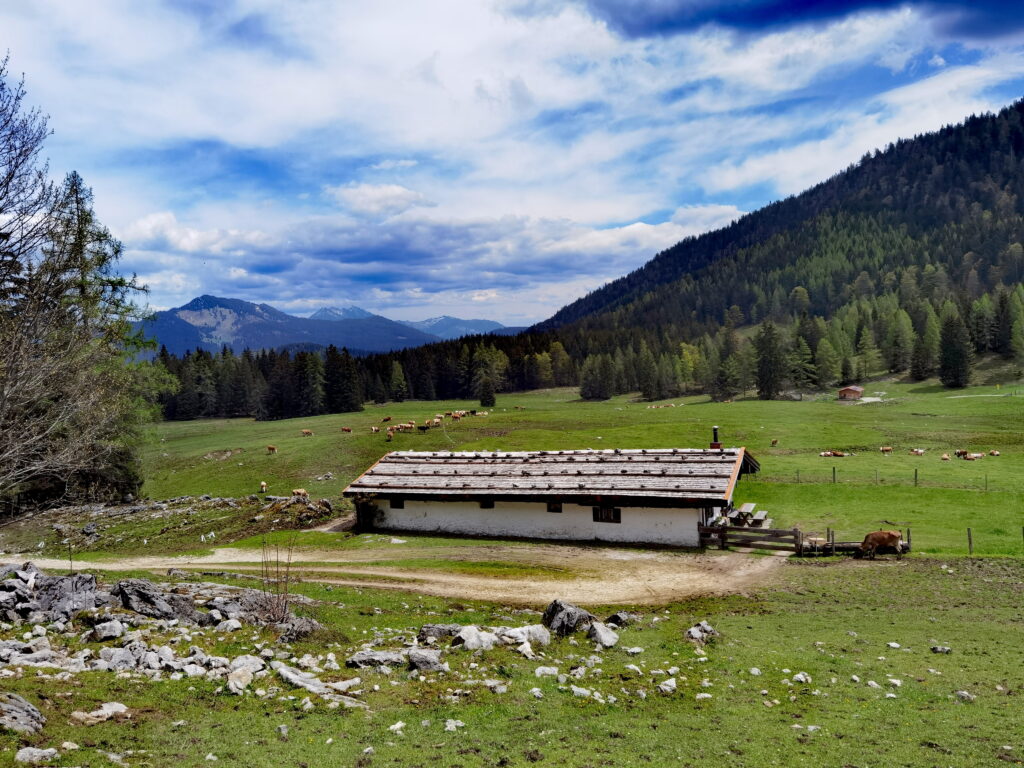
x: 70, y: 395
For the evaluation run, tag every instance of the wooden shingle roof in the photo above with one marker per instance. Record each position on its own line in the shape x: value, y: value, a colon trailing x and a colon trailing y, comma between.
x: 663, y: 473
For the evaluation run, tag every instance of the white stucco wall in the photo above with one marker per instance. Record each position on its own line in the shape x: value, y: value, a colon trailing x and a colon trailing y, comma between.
x: 640, y: 525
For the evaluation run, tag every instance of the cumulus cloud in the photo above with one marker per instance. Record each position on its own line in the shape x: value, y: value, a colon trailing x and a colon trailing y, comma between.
x: 377, y: 199
x: 543, y: 146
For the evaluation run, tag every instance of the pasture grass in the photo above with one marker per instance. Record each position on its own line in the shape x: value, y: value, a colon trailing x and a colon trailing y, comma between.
x: 870, y: 488
x: 829, y: 619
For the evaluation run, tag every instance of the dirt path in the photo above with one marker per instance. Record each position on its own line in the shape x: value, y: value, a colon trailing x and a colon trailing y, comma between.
x: 602, y: 575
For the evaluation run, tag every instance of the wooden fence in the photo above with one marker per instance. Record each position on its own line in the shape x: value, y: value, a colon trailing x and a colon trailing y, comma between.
x: 777, y: 539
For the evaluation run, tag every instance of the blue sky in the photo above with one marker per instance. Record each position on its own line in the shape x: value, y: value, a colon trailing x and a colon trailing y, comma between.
x: 481, y: 158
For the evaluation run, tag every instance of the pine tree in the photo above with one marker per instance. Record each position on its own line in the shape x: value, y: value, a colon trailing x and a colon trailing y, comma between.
x: 771, y: 361
x: 309, y: 384
x: 801, y: 365
x: 399, y: 389
x: 827, y: 365
x: 1017, y: 342
x: 487, y: 393
x: 647, y: 373
x: 956, y: 354
x: 869, y: 359
x: 561, y: 365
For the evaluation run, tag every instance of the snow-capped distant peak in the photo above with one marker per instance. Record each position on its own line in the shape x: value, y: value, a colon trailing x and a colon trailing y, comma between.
x: 347, y: 312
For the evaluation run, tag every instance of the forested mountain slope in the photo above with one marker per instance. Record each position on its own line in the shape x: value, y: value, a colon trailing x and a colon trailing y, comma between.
x: 951, y: 199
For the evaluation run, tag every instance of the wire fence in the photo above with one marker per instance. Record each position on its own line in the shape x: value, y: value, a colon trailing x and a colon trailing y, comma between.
x: 891, y: 477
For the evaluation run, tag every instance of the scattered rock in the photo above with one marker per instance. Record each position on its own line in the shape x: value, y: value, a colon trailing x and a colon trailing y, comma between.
x: 19, y: 715
x: 622, y: 619
x: 755, y: 671
x: 701, y: 633
x: 229, y: 625
x: 427, y: 660
x: 941, y: 649
x: 363, y: 659
x: 965, y: 696
x: 108, y: 630
x: 565, y: 618
x: 546, y: 672
x: 667, y: 686
x: 33, y: 756
x: 239, y: 679
x: 532, y: 633
x: 473, y: 639
x: 702, y: 696
x: 142, y: 596
x: 602, y: 635
x: 105, y: 712
x: 432, y: 632
x: 453, y: 725
x: 297, y: 628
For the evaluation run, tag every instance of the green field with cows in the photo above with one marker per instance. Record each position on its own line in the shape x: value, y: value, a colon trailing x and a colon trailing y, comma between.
x: 938, y: 499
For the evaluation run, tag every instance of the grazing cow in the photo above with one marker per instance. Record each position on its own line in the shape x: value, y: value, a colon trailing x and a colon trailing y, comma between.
x: 884, y: 539
x: 307, y: 433
x: 263, y: 487
x: 775, y: 442
x: 389, y: 437
x: 960, y: 453
x: 993, y: 453
x: 271, y: 449
x: 423, y: 427
x: 886, y: 449
x: 385, y: 420
x: 346, y: 429
x: 917, y: 451
x: 455, y: 417
x: 375, y: 429
x: 302, y: 493
x: 974, y: 456
x: 945, y: 457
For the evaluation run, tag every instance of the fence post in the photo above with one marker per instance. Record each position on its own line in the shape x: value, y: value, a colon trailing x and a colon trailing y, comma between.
x: 876, y: 476
x: 986, y: 481
x: 798, y: 475
x: 910, y: 542
x: 915, y: 477
x: 833, y: 474
x: 970, y: 543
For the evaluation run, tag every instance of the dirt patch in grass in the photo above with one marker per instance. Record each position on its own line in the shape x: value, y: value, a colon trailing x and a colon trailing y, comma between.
x: 589, y: 575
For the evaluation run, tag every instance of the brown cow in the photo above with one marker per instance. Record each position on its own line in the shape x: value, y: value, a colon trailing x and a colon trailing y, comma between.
x: 307, y: 433
x: 917, y: 451
x: 385, y: 420
x: 945, y: 457
x: 886, y: 539
x: 375, y: 429
x: 993, y: 453
x: 886, y: 449
x: 775, y: 442
x: 263, y: 487
x: 271, y: 449
x: 346, y: 429
x: 300, y: 492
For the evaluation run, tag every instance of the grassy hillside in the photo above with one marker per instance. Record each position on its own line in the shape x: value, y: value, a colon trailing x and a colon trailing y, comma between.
x: 192, y: 457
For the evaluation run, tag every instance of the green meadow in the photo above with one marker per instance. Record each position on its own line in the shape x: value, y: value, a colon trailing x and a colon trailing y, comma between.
x: 795, y: 484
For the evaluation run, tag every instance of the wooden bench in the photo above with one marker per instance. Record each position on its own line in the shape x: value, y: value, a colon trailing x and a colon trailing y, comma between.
x: 744, y: 514
x: 758, y: 519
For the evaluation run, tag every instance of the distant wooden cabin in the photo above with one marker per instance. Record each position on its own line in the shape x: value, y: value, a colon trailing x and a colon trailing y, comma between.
x: 852, y: 392
x: 652, y: 496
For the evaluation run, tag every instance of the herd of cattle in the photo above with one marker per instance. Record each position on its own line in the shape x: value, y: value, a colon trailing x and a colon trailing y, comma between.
x: 437, y: 420
x: 887, y: 450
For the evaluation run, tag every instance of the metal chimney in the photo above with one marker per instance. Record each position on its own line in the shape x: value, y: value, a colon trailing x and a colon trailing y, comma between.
x: 715, y: 445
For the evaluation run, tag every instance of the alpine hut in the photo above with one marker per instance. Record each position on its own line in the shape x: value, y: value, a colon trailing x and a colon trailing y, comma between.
x: 641, y: 496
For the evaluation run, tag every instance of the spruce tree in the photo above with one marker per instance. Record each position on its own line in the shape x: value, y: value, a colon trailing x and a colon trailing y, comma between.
x: 771, y: 361
x: 487, y: 393
x: 826, y: 367
x: 801, y: 365
x: 647, y: 373
x: 399, y: 389
x: 956, y: 354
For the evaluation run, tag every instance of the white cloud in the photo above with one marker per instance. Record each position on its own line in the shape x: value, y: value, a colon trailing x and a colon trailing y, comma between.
x: 545, y: 143
x: 377, y: 199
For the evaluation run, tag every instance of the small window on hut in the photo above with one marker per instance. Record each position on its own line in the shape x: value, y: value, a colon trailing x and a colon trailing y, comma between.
x: 554, y: 506
x: 396, y: 502
x: 607, y: 515
x: 487, y: 504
